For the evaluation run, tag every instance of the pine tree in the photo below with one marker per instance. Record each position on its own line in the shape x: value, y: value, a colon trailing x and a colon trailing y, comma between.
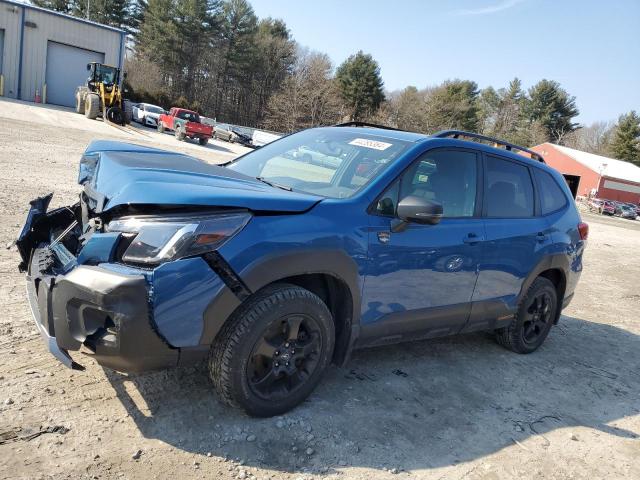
x: 552, y: 107
x: 64, y: 6
x: 625, y: 144
x: 454, y: 104
x: 360, y: 85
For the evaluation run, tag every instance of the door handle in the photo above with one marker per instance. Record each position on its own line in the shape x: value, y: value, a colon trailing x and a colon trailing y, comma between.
x: 541, y: 237
x: 472, y: 239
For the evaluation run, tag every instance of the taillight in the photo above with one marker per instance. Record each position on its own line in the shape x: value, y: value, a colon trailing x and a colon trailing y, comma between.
x: 583, y: 229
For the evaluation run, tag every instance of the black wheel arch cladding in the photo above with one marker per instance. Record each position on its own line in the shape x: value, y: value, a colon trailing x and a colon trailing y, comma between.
x: 304, y: 269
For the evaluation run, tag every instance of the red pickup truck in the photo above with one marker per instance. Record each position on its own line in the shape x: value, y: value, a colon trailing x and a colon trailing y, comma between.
x: 185, y: 123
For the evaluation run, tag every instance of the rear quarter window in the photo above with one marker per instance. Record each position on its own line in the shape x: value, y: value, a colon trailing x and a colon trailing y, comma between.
x: 509, y: 191
x: 552, y: 198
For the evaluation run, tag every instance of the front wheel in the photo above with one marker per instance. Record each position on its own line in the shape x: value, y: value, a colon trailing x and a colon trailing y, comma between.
x: 273, y: 351
x: 532, y: 323
x: 203, y: 141
x: 180, y: 135
x: 127, y: 112
x: 160, y: 127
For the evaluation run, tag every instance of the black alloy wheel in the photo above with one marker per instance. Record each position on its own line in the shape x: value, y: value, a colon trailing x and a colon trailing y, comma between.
x: 538, y: 316
x: 273, y: 351
x: 285, y: 356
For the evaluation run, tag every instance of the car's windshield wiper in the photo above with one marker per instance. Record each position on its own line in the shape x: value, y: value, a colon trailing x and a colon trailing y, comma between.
x: 272, y: 184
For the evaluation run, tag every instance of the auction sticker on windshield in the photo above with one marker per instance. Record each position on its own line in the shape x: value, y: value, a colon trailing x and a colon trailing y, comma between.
x: 376, y: 145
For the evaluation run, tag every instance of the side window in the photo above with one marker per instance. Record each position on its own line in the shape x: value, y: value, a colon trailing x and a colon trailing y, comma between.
x: 389, y: 200
x: 509, y: 189
x: 448, y: 177
x: 552, y: 197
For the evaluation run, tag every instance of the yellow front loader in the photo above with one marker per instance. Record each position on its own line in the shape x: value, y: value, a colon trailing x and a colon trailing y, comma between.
x: 102, y: 94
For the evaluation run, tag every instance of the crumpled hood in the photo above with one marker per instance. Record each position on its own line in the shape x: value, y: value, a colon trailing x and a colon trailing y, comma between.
x: 116, y: 173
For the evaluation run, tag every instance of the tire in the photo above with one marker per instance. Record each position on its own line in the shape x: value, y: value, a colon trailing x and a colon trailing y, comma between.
x: 203, y: 141
x: 160, y: 127
x: 127, y: 110
x: 242, y: 375
x: 92, y: 106
x: 79, y: 103
x: 515, y: 337
x: 180, y: 135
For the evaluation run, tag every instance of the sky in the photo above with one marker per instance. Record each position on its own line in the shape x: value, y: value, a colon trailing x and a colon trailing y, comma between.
x: 592, y: 47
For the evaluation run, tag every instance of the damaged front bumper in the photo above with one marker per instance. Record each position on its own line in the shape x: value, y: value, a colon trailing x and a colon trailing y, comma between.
x: 102, y: 312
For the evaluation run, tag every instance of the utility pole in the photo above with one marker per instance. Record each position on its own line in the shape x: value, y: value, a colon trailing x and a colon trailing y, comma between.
x: 88, y: 7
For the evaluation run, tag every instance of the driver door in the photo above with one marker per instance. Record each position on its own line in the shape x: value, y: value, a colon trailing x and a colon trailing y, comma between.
x: 420, y: 281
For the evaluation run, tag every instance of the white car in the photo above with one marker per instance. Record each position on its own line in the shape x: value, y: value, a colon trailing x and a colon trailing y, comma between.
x: 147, y: 114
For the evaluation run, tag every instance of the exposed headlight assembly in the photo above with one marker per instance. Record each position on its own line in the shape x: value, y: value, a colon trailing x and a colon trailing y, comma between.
x: 166, y: 238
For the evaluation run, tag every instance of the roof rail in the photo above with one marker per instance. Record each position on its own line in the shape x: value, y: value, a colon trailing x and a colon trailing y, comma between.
x: 495, y: 141
x: 364, y: 124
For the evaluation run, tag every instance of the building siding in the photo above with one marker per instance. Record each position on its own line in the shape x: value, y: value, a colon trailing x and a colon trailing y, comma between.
x: 589, y: 179
x: 567, y: 165
x: 620, y: 190
x: 40, y: 27
x: 10, y: 18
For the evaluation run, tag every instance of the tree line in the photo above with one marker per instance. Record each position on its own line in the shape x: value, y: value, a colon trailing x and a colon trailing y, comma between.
x: 218, y: 57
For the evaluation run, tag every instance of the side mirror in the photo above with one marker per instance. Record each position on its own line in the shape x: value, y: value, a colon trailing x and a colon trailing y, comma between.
x: 88, y: 67
x: 417, y: 210
x: 124, y: 75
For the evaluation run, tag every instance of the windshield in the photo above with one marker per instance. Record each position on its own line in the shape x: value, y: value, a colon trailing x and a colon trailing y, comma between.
x: 106, y: 74
x: 153, y: 109
x: 329, y: 162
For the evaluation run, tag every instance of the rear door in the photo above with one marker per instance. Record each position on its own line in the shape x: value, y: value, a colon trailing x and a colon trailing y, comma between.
x: 516, y: 240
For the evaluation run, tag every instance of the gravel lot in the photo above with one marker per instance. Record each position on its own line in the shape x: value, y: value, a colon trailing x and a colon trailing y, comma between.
x: 452, y: 408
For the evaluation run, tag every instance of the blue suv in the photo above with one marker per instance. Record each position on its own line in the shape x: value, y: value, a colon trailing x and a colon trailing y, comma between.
x: 290, y: 257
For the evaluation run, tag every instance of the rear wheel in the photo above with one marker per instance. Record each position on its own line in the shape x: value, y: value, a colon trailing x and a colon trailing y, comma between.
x: 92, y: 106
x: 273, y: 351
x: 534, y: 318
x: 203, y: 141
x: 79, y: 103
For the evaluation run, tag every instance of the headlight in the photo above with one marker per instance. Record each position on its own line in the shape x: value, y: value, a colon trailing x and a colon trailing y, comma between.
x: 162, y: 239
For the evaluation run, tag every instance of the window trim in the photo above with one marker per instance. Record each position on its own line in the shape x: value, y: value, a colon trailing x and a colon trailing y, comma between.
x: 477, y: 213
x: 534, y: 190
x: 562, y: 191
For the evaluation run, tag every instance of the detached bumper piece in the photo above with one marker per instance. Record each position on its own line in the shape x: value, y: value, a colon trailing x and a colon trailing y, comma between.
x: 99, y: 311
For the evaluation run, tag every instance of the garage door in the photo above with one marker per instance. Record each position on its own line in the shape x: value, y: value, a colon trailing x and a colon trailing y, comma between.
x: 66, y: 69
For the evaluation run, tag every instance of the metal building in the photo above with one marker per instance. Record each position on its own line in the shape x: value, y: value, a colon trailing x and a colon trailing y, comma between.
x: 43, y: 54
x: 605, y: 177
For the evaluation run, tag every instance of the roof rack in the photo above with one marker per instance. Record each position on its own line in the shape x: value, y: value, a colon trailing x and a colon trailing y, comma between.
x: 497, y: 143
x: 364, y: 124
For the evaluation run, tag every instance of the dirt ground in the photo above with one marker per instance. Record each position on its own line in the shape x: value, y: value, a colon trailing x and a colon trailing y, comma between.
x: 452, y: 408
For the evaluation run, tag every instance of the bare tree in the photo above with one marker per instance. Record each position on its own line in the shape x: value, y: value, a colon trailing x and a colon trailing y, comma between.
x: 593, y: 139
x: 308, y: 96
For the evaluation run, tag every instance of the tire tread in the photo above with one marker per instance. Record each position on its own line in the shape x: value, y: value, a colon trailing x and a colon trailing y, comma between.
x: 233, y: 331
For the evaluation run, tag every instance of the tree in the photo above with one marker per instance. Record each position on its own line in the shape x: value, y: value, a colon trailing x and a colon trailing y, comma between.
x: 64, y: 6
x: 625, y: 144
x: 108, y: 12
x: 553, y: 108
x: 501, y: 112
x: 595, y: 138
x: 308, y: 98
x: 454, y: 104
x: 360, y: 85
